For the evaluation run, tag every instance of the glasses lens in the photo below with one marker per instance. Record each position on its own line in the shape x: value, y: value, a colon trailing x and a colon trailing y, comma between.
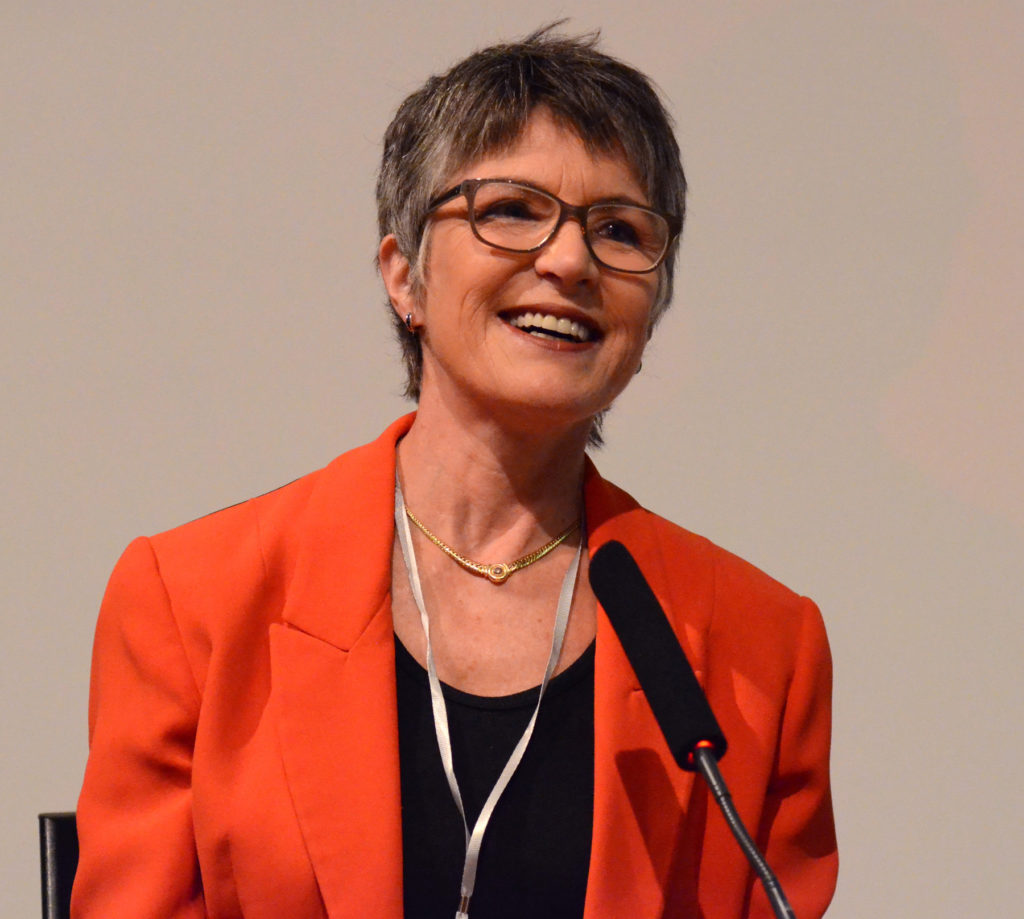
x: 627, y: 237
x: 513, y: 216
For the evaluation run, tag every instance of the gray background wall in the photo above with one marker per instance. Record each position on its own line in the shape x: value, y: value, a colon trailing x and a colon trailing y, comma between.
x: 190, y: 316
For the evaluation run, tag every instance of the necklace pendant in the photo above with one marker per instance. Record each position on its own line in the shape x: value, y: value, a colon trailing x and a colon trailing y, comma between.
x: 499, y: 573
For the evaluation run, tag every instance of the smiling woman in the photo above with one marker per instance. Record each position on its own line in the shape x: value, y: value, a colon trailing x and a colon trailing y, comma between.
x: 485, y: 271
x: 387, y: 688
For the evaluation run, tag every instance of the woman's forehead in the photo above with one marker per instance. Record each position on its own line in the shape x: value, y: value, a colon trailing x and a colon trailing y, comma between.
x: 548, y: 150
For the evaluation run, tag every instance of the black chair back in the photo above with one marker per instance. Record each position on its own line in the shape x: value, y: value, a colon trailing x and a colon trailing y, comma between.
x: 58, y: 861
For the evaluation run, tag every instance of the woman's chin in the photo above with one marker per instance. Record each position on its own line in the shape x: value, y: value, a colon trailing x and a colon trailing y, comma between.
x: 534, y: 397
x: 539, y: 414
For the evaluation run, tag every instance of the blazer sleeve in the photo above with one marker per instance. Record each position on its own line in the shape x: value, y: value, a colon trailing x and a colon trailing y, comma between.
x: 798, y: 831
x: 137, y: 843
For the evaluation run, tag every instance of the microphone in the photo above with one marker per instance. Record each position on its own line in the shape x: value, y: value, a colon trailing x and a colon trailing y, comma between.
x: 666, y: 677
x: 673, y: 693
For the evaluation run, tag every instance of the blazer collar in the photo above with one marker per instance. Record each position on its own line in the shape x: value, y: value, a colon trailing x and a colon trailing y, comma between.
x: 343, y: 570
x: 333, y: 673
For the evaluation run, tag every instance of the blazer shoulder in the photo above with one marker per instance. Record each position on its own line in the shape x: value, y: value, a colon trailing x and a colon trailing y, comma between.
x: 732, y: 573
x: 279, y: 515
x: 220, y: 579
x: 241, y: 560
x: 732, y: 593
x: 263, y: 526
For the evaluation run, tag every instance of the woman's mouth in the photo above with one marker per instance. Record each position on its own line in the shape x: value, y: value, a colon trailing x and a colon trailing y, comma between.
x: 554, y: 328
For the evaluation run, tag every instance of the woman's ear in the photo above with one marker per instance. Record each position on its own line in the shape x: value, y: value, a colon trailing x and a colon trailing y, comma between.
x: 397, y: 274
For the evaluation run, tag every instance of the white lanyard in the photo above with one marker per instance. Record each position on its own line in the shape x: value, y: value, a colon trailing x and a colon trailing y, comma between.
x: 474, y: 839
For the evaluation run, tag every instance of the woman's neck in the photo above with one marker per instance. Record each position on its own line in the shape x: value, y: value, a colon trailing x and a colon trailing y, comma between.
x: 485, y: 487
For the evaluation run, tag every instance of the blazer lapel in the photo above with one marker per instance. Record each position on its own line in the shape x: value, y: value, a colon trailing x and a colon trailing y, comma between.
x: 648, y: 814
x: 333, y: 686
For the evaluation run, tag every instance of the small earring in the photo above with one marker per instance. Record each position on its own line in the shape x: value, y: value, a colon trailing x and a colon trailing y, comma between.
x: 408, y: 323
x: 639, y: 367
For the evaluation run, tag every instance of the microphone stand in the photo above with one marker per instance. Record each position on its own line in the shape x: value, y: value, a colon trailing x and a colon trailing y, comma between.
x: 703, y: 758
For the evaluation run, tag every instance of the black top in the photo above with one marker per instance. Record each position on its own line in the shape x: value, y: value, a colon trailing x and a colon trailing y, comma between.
x: 536, y: 851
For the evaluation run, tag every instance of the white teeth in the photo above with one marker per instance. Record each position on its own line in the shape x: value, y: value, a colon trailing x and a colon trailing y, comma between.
x: 537, y: 323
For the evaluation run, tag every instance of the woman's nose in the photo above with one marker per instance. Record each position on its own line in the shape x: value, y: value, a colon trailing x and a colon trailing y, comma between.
x: 567, y: 257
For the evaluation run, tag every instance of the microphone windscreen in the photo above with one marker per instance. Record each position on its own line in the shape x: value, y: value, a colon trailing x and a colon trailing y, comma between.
x: 666, y: 677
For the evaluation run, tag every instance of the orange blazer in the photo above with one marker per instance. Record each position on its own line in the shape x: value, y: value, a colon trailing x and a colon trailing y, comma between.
x: 243, y: 733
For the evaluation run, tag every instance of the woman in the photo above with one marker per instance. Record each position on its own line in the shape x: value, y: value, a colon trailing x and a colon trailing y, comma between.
x: 269, y: 732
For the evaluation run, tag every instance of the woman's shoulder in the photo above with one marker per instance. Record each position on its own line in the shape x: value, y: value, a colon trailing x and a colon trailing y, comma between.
x: 691, y: 572
x: 234, y: 567
x: 270, y: 527
x: 217, y: 576
x: 253, y: 529
x: 733, y: 574
x: 735, y: 621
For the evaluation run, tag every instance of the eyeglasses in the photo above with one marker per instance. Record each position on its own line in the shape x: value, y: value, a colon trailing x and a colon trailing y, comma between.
x: 515, y: 217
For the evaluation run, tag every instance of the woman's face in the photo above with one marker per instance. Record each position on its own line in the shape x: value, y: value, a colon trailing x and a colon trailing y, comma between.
x: 474, y: 298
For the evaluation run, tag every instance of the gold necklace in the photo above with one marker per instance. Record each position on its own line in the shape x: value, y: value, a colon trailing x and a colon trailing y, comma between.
x: 497, y: 573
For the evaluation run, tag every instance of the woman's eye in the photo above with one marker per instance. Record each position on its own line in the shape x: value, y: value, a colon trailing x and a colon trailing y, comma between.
x: 507, y: 209
x: 620, y: 231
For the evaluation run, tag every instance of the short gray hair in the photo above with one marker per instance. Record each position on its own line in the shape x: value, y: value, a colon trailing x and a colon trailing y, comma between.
x: 481, y: 106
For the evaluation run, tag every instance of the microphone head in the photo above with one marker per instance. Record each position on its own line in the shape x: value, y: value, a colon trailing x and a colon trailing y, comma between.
x: 666, y: 677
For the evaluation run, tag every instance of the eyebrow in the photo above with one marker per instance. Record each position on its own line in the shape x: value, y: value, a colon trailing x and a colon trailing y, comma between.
x: 610, y: 199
